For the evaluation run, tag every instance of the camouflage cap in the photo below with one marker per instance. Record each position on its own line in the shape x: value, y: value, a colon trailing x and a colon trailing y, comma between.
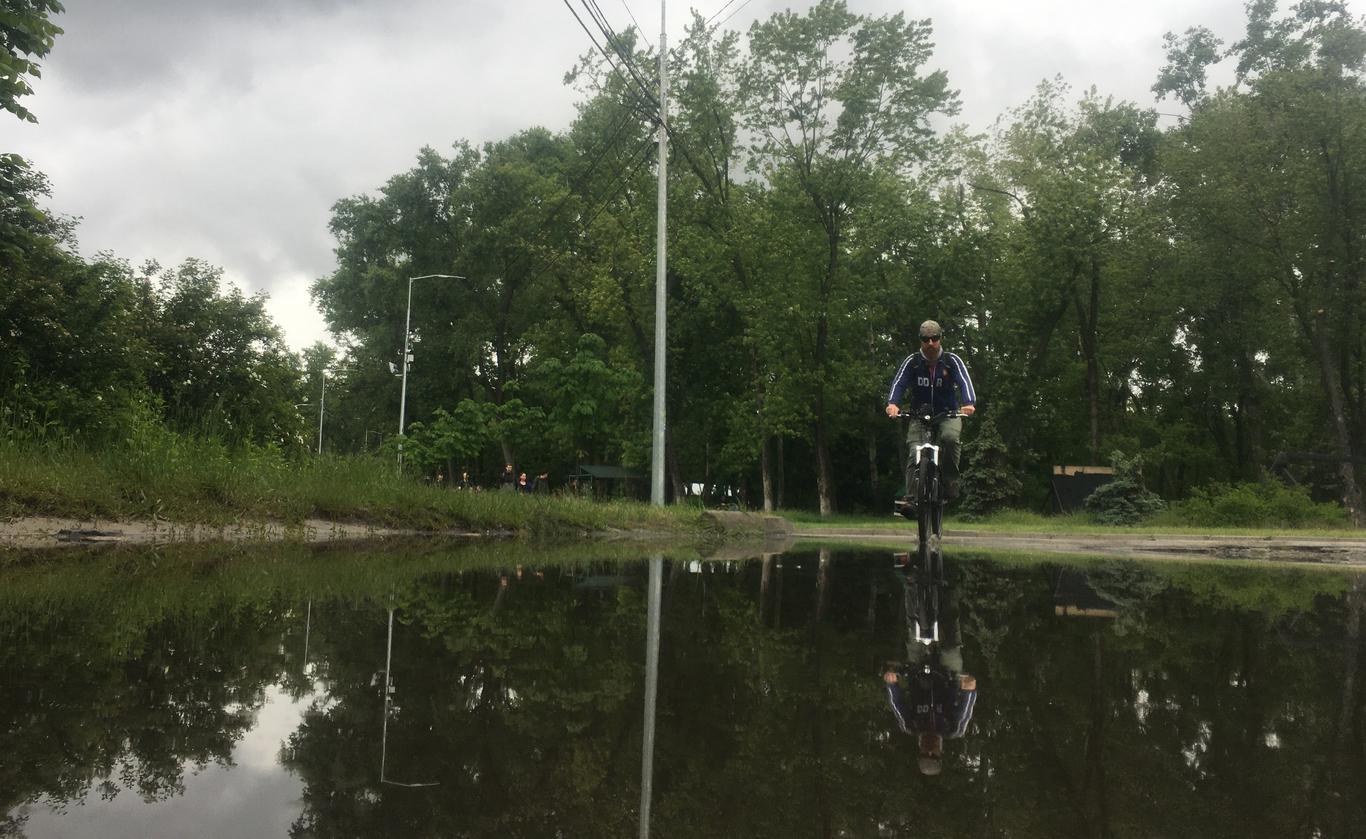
x: 930, y: 329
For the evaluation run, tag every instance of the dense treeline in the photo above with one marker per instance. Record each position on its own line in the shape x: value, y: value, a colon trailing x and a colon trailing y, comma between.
x: 1185, y: 288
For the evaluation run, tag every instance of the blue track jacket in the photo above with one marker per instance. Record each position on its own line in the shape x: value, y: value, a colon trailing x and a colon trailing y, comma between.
x: 936, y: 388
x: 932, y: 703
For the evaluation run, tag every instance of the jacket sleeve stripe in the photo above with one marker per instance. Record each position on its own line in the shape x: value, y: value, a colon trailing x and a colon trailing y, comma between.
x: 969, y: 395
x: 898, y: 383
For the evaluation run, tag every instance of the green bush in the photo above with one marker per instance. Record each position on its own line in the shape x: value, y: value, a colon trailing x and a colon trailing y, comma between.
x: 990, y: 484
x: 1124, y: 500
x: 1266, y: 504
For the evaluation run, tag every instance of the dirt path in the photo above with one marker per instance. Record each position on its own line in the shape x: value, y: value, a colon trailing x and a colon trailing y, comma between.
x: 44, y: 532
x: 1336, y: 550
x: 38, y: 532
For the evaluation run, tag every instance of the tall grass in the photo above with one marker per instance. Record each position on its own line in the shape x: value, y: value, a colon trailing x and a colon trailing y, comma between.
x: 158, y: 474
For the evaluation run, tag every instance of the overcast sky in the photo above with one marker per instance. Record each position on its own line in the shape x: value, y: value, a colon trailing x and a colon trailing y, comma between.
x: 226, y: 129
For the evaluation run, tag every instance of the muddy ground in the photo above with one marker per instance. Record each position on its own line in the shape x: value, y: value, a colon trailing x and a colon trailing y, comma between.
x: 1345, y: 550
x: 37, y: 532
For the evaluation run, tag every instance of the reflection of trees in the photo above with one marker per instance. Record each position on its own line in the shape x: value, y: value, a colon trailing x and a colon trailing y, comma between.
x: 1191, y: 715
x: 85, y: 702
x: 525, y: 713
x: 1219, y: 702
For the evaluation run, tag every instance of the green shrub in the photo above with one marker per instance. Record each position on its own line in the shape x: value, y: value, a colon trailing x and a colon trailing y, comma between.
x: 1124, y: 500
x: 1266, y: 504
x: 990, y: 484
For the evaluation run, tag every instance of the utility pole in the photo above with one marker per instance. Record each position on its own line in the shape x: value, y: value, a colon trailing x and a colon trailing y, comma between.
x: 661, y: 278
x: 322, y: 404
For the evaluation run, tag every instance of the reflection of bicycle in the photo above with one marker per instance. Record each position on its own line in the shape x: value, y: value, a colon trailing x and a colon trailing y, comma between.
x: 924, y: 493
x: 929, y: 693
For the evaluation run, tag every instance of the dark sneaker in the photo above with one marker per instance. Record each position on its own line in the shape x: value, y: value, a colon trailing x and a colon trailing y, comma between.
x: 904, y: 507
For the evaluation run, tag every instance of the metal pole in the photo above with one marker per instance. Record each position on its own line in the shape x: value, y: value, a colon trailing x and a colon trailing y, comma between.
x: 403, y: 396
x: 647, y: 757
x: 407, y: 334
x: 308, y: 625
x: 661, y: 278
x: 388, y: 689
x: 322, y: 403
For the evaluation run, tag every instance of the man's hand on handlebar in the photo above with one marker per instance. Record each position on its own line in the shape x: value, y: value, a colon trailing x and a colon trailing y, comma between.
x: 894, y: 410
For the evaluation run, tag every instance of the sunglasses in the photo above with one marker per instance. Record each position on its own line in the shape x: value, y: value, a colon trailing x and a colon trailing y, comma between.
x: 929, y: 339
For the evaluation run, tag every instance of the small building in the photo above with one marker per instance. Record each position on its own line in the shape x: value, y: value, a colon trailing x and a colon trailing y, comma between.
x: 605, y: 482
x: 1070, y: 485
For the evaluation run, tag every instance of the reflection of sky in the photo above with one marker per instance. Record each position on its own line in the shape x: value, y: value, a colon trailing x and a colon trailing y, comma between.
x: 255, y: 798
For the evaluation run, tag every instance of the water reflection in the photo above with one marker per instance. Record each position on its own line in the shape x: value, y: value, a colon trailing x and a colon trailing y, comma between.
x: 931, y: 695
x: 647, y: 760
x: 162, y: 696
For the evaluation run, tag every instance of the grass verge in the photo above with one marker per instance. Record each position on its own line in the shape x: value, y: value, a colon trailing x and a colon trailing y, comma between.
x: 201, y: 482
x: 1077, y: 524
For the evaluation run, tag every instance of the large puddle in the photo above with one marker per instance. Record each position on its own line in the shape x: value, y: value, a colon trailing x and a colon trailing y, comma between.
x: 296, y: 692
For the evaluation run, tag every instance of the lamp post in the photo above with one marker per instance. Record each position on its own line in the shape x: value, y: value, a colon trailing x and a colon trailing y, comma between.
x: 322, y: 405
x: 407, y: 334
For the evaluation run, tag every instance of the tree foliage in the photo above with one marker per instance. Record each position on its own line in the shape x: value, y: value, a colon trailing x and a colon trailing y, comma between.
x: 1186, y: 290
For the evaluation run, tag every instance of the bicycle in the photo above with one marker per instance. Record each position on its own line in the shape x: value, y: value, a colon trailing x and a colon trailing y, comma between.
x: 925, y: 494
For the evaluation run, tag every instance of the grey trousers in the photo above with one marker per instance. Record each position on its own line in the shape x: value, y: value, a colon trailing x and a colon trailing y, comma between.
x: 950, y: 429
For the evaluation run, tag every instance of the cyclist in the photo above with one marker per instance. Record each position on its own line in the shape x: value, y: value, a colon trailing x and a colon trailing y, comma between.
x: 938, y: 382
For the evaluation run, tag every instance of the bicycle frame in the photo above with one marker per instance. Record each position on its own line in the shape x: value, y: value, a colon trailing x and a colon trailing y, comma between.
x: 923, y: 484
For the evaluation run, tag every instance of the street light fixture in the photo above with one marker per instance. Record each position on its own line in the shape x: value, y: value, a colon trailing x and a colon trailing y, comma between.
x: 407, y: 357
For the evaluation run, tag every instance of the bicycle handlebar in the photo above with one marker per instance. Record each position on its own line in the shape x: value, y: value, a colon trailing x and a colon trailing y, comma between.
x: 929, y: 418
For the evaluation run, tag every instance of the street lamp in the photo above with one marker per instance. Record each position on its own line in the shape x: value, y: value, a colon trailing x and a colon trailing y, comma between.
x: 407, y: 334
x: 322, y: 405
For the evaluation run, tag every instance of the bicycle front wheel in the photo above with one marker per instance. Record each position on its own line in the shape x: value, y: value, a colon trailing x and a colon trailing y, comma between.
x: 925, y: 513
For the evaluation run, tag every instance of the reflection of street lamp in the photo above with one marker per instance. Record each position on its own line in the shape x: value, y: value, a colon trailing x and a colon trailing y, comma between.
x: 407, y: 333
x: 388, y: 699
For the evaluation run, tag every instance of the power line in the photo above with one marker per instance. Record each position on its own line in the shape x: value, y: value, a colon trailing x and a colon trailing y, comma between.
x: 737, y: 11
x: 623, y: 182
x: 638, y: 26
x: 608, y: 58
x: 718, y: 12
x: 595, y: 11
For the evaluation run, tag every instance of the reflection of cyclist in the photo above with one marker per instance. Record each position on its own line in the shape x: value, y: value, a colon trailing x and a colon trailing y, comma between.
x: 935, y: 379
x: 930, y: 694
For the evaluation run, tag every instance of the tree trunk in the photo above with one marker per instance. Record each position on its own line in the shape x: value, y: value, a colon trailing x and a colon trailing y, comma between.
x: 780, y: 477
x: 1332, y: 385
x: 1250, y: 420
x: 1088, y: 318
x: 671, y: 462
x: 825, y: 473
x: 766, y: 472
x: 872, y: 465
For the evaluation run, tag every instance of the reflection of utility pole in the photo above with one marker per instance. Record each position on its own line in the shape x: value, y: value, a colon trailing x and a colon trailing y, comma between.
x: 647, y: 757
x: 388, y: 700
x: 308, y: 624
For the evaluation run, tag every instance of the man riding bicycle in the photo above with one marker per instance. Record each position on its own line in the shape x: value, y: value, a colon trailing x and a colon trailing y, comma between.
x: 939, y: 384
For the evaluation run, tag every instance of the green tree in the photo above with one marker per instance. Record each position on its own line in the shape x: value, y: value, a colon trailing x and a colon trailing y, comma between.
x: 829, y: 130
x: 26, y: 34
x: 1266, y: 177
x: 220, y: 365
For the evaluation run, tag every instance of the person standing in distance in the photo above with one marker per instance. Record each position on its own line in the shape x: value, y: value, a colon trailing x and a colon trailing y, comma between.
x: 938, y: 382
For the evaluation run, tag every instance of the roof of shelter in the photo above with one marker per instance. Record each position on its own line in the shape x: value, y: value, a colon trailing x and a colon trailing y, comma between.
x: 595, y: 471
